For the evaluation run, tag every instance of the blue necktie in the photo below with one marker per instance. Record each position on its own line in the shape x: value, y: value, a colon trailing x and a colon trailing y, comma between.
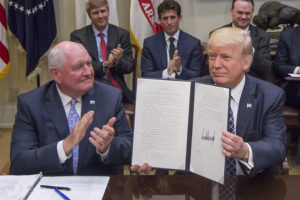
x: 230, y: 162
x: 72, y: 120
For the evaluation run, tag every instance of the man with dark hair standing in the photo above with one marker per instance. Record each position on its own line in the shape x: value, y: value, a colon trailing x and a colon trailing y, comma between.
x: 242, y: 13
x: 71, y: 125
x: 172, y: 53
x: 108, y: 45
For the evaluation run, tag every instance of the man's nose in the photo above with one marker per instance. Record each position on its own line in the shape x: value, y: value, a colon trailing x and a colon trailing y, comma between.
x: 216, y: 63
x: 88, y: 70
x: 244, y: 15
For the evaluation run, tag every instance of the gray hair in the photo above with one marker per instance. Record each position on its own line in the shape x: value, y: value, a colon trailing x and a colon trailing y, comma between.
x: 56, y: 57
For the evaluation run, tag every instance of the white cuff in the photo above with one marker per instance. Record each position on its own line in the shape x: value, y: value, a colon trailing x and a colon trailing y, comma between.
x: 103, y: 155
x: 250, y: 163
x: 165, y: 75
x: 178, y: 73
x: 61, y: 153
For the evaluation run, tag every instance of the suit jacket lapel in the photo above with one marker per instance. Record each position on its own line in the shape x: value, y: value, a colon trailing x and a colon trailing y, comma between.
x: 112, y: 41
x: 89, y: 102
x: 162, y: 50
x: 57, y: 112
x: 91, y: 40
x: 247, y: 106
x: 253, y: 35
x: 181, y: 43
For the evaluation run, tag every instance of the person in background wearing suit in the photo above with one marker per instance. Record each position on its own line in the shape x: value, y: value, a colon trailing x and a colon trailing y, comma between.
x: 71, y: 125
x: 257, y: 143
x: 172, y: 53
x: 288, y: 61
x: 242, y: 13
x: 108, y: 45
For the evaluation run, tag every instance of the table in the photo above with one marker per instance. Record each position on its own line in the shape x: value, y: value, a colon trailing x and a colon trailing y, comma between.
x: 190, y: 187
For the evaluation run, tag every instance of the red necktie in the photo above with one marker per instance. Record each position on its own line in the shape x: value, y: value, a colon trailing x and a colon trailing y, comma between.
x: 107, y: 70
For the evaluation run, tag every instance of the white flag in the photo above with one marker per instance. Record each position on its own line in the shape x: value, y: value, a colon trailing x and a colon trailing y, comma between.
x: 143, y: 20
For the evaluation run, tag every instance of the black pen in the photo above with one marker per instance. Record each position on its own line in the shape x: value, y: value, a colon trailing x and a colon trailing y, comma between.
x: 52, y: 187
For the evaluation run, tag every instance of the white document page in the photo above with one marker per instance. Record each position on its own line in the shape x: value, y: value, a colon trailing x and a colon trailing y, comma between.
x: 82, y: 187
x: 16, y: 187
x: 209, y: 121
x: 161, y: 123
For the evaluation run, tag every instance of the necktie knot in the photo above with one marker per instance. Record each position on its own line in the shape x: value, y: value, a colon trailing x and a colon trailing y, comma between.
x: 172, y: 39
x: 73, y: 102
x: 101, y: 35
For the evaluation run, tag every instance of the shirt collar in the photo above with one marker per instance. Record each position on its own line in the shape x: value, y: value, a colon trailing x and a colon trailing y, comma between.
x: 176, y: 35
x: 246, y: 29
x: 96, y: 32
x: 236, y: 92
x: 65, y: 98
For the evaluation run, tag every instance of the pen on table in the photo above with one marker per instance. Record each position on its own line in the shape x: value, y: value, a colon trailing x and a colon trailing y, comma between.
x: 61, y: 194
x: 58, y: 187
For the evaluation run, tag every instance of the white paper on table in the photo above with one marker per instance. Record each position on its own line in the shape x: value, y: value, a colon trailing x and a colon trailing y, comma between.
x: 16, y: 187
x: 82, y: 187
x: 294, y: 75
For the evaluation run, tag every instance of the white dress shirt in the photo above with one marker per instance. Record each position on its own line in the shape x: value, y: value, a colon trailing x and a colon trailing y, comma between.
x: 66, y: 101
x: 165, y: 74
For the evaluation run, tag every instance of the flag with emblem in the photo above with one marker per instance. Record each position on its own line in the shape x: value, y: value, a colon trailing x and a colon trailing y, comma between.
x: 4, y: 55
x: 33, y: 23
x: 143, y: 20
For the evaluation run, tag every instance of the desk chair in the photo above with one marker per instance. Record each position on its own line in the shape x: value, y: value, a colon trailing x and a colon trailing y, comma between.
x: 5, y: 169
x: 129, y: 108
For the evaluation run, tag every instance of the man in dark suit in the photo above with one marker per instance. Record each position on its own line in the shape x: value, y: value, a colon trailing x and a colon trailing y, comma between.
x: 47, y: 136
x: 115, y: 59
x: 259, y: 144
x: 172, y: 53
x: 288, y: 61
x: 242, y: 13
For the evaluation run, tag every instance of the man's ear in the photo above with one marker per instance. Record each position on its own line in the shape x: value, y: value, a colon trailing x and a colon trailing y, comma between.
x: 247, y: 62
x: 180, y: 18
x: 54, y: 74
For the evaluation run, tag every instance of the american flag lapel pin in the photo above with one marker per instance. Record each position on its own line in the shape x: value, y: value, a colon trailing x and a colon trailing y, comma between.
x: 249, y: 105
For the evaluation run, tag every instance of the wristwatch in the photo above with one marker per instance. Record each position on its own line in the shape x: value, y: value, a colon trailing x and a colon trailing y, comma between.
x: 246, y: 156
x: 105, y: 64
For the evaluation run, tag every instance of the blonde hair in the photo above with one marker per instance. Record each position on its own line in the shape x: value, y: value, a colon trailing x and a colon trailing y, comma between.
x: 90, y: 4
x: 229, y: 36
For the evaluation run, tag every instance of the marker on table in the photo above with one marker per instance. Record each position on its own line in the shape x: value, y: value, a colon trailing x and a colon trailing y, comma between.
x: 61, y: 194
x: 58, y: 187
